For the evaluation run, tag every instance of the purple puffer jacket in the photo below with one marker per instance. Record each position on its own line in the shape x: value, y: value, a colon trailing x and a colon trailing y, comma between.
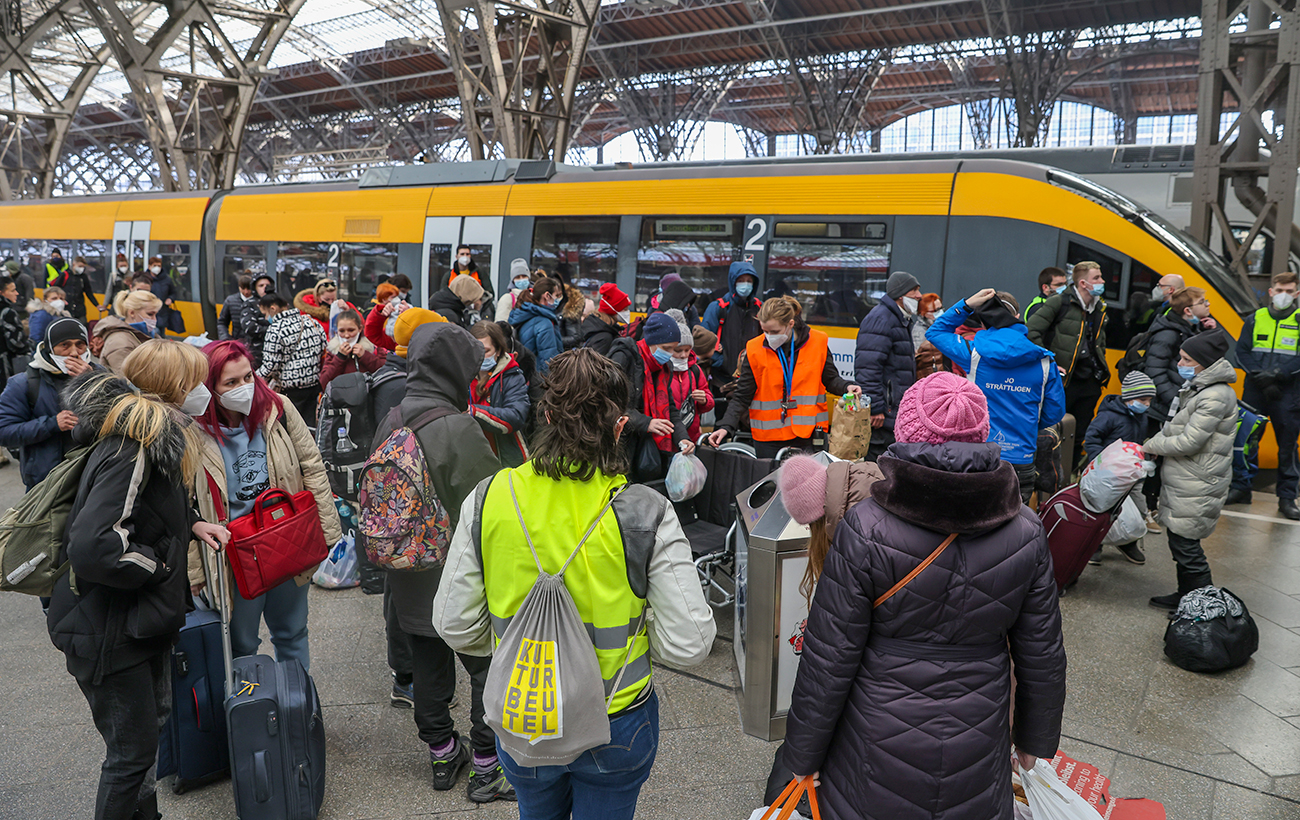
x: 905, y: 710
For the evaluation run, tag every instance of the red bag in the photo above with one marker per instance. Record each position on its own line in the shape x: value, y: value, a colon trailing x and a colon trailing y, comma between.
x: 1073, y: 532
x: 281, y: 538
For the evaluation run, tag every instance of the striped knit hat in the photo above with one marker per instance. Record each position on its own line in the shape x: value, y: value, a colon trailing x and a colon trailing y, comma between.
x: 1137, y: 385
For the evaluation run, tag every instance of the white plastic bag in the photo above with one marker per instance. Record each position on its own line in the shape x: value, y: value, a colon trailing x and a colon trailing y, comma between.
x: 339, y: 570
x: 1050, y: 799
x: 758, y: 815
x: 686, y: 477
x: 1112, y: 474
x: 1129, y: 525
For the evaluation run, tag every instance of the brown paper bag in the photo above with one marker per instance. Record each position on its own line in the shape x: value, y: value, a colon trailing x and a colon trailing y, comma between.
x: 850, y: 430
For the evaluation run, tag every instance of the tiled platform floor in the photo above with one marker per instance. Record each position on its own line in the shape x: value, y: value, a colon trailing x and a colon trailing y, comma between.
x: 1208, y: 747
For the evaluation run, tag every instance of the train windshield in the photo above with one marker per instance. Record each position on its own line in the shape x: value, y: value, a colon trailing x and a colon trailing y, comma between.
x: 1239, y: 297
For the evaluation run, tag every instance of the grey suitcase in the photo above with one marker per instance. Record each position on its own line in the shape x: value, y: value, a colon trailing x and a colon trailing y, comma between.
x: 277, y: 736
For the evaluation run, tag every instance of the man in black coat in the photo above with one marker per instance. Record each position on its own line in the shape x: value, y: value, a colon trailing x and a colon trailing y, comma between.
x: 1187, y: 315
x: 885, y: 362
x: 229, y: 324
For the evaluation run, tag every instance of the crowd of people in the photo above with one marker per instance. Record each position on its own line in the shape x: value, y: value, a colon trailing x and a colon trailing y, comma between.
x: 539, y: 411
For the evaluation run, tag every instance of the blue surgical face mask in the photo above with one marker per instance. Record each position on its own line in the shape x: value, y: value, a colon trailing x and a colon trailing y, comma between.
x: 1137, y: 407
x: 1194, y: 321
x: 1098, y: 289
x: 521, y: 283
x: 489, y: 362
x: 1060, y: 288
x: 1188, y: 373
x: 662, y: 356
x: 743, y: 289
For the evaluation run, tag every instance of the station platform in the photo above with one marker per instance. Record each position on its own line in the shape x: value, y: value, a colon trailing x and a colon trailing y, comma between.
x: 1209, y: 747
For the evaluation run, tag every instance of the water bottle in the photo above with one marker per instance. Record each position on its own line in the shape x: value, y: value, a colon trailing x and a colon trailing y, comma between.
x: 344, y: 445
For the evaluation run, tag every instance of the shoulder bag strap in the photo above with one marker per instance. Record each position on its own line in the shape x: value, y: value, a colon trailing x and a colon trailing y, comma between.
x: 527, y: 537
x: 920, y: 567
x: 216, y: 499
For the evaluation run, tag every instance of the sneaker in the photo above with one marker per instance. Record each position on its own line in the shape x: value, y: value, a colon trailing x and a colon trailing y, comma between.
x: 1238, y: 496
x: 1095, y: 560
x: 1133, y: 552
x: 1169, y: 602
x: 484, y: 787
x: 1152, y: 524
x: 403, y: 697
x: 446, y: 770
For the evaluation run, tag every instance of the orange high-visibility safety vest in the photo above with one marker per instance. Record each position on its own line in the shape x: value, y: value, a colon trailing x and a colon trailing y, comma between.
x: 774, y: 416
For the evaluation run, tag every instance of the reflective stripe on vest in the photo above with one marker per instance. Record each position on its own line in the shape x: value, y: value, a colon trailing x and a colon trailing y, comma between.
x: 1276, y: 336
x: 558, y: 513
x: 774, y: 416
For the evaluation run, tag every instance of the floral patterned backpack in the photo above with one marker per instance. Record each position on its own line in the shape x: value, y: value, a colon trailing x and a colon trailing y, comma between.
x: 403, y: 522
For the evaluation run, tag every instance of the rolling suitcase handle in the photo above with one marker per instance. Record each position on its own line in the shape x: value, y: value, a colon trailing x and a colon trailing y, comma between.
x: 227, y: 656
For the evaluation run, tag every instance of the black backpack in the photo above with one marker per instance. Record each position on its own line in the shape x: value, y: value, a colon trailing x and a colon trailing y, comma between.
x: 1134, y: 355
x: 345, y: 403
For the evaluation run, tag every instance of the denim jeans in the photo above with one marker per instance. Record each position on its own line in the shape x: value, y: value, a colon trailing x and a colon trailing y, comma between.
x: 285, y: 610
x: 129, y: 708
x: 601, y: 784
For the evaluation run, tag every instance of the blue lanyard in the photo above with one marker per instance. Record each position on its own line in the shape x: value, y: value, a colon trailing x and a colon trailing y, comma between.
x: 787, y: 366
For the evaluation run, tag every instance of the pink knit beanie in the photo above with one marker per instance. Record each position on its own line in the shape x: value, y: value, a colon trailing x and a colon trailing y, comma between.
x: 803, y: 488
x: 942, y: 407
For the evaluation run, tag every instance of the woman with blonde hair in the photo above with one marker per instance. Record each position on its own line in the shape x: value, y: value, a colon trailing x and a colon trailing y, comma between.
x: 253, y: 439
x: 134, y: 320
x: 783, y: 382
x: 117, y: 612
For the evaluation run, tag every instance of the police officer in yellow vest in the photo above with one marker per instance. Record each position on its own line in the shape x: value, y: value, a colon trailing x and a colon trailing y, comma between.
x: 636, y: 556
x: 1267, y: 351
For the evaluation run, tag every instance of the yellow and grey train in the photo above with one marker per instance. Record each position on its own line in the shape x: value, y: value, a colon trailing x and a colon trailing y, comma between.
x: 826, y: 231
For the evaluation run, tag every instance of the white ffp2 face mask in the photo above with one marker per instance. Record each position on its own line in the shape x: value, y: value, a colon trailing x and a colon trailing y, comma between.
x: 910, y: 304
x: 1282, y: 301
x: 196, y: 403
x: 238, y: 400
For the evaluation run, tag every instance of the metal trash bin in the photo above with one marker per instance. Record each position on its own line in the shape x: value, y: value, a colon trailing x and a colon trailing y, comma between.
x: 770, y: 611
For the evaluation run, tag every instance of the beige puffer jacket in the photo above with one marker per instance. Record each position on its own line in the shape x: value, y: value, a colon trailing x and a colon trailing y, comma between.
x: 119, y: 340
x: 1197, y: 446
x: 293, y: 462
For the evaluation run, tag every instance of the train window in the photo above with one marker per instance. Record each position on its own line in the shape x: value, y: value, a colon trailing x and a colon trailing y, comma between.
x: 698, y: 249
x: 1141, y: 310
x: 439, y: 259
x: 299, y: 266
x: 235, y: 261
x: 178, y: 264
x: 873, y: 231
x: 585, y: 248
x: 356, y: 266
x: 35, y: 253
x: 1112, y: 269
x: 362, y: 266
x: 95, y: 252
x: 1259, y: 259
x: 837, y: 270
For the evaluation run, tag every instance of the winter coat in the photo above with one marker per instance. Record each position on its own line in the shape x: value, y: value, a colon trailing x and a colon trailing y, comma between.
x: 374, y: 329
x: 26, y: 286
x: 626, y: 354
x: 33, y: 431
x: 1197, y: 446
x: 13, y: 339
x: 126, y: 538
x: 919, y: 327
x: 684, y: 382
x: 291, y: 355
x: 501, y: 407
x: 733, y: 318
x: 79, y: 290
x: 40, y: 314
x: 1114, y: 422
x: 305, y: 301
x: 1060, y: 324
x: 162, y: 286
x: 119, y: 340
x: 538, y: 329
x: 848, y: 483
x: 884, y: 364
x: 1018, y: 378
x: 442, y: 359
x: 1167, y: 334
x: 570, y: 312
x: 896, y: 729
x: 293, y: 464
x: 363, y: 357
x: 506, y: 304
x: 746, y: 386
x: 597, y: 334
x: 450, y: 306
x: 253, y: 325
x: 386, y: 396
x: 479, y: 276
x: 1283, y: 370
x: 228, y: 318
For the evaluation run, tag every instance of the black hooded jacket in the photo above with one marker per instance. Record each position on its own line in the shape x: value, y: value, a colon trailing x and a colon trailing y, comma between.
x: 441, y: 361
x: 128, y: 537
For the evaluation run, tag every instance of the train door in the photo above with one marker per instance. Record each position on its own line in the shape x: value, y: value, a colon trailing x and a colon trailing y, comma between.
x: 131, y: 239
x: 442, y: 236
x: 483, y: 235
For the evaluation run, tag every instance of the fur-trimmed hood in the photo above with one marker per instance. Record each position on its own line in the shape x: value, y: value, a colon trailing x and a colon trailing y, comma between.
x: 305, y: 301
x: 92, y: 395
x: 574, y: 304
x: 360, y: 347
x: 950, y: 487
x: 35, y: 305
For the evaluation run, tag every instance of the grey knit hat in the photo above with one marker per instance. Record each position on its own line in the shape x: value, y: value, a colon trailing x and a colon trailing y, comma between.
x: 900, y: 282
x: 680, y: 319
x: 1137, y: 385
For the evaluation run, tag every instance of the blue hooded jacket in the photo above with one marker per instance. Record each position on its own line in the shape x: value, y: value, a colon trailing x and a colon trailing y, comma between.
x: 740, y: 322
x: 539, y: 331
x: 1022, y: 398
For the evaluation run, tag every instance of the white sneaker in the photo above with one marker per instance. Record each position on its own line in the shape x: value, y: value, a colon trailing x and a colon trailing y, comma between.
x: 1152, y: 524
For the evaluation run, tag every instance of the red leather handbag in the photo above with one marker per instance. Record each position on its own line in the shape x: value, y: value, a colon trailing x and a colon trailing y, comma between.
x: 278, y: 540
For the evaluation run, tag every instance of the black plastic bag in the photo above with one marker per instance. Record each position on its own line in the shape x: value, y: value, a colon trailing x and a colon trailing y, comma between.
x: 1212, y: 645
